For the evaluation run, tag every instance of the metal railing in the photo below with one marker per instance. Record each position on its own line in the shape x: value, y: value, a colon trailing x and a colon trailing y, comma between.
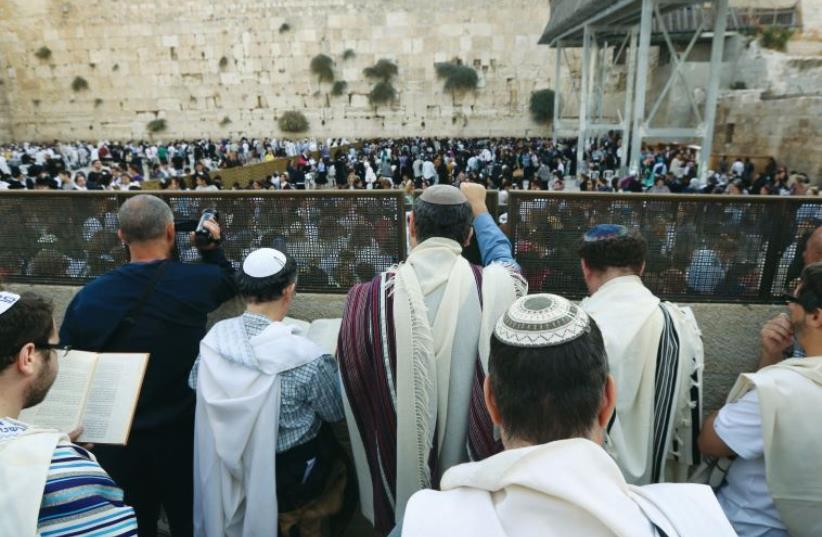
x: 701, y: 248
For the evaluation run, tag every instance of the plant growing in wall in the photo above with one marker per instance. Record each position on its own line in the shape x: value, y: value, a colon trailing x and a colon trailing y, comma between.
x: 339, y: 88
x: 223, y: 62
x: 383, y: 91
x: 458, y: 78
x: 98, y: 102
x: 79, y: 84
x: 349, y: 54
x: 43, y: 53
x: 775, y: 37
x: 284, y: 27
x: 156, y: 126
x: 293, y: 121
x: 739, y: 85
x: 225, y: 122
x: 542, y: 106
x: 323, y: 67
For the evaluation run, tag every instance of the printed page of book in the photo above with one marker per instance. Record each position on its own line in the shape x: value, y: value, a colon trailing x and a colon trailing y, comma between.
x: 63, y: 407
x: 302, y: 326
x: 112, y: 398
x: 324, y: 332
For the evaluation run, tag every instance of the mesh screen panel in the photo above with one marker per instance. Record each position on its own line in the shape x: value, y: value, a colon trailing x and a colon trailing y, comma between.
x: 338, y: 239
x: 700, y: 248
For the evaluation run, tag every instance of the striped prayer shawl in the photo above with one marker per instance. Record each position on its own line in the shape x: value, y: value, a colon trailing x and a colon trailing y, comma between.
x: 666, y: 380
x: 367, y: 355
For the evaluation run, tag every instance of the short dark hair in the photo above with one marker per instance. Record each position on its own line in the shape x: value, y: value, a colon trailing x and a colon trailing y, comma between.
x: 447, y: 221
x: 810, y: 287
x: 29, y: 320
x: 624, y: 252
x: 549, y: 393
x: 267, y: 289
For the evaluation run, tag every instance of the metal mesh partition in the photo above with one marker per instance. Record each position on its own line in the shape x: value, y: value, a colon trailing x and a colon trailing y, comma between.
x: 338, y: 238
x: 700, y: 248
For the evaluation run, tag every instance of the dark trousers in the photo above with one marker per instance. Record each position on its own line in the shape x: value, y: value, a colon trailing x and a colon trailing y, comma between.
x: 156, y: 469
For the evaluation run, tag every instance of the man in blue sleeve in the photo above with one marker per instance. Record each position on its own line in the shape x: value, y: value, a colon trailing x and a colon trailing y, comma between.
x: 159, y: 306
x: 413, y: 352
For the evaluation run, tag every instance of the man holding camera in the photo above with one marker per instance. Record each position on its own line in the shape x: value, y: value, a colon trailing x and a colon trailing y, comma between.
x: 159, y: 306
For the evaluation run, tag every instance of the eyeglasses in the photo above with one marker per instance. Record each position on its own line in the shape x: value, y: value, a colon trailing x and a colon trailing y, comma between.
x: 809, y: 304
x: 61, y: 350
x: 790, y: 299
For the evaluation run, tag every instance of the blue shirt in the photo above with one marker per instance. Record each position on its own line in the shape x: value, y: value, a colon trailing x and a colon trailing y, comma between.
x: 494, y: 246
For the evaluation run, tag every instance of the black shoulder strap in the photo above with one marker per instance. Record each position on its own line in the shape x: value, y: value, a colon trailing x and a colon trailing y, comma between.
x: 129, y: 320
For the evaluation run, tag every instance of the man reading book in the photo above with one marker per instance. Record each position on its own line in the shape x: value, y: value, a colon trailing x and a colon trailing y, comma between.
x: 49, y: 485
x: 157, y: 306
x: 263, y: 394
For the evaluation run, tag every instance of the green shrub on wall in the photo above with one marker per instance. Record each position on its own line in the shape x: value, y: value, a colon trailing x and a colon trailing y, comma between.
x: 223, y: 62
x: 339, y: 88
x: 323, y: 67
x: 79, y: 84
x: 542, y: 106
x: 156, y: 125
x: 44, y: 53
x: 382, y: 93
x: 383, y: 70
x: 225, y: 121
x: 293, y: 121
x: 775, y: 37
x: 284, y: 27
x: 349, y: 54
x: 458, y: 78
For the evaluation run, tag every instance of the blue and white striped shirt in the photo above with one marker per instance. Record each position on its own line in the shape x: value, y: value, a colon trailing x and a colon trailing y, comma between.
x: 79, y: 498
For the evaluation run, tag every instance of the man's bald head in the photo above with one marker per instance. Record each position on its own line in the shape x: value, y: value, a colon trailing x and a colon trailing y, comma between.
x: 813, y: 248
x: 144, y: 218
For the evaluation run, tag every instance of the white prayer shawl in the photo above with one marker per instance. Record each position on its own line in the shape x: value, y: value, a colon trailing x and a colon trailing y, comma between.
x: 237, y: 421
x: 568, y: 488
x: 632, y: 324
x: 24, y: 467
x: 436, y: 354
x: 790, y: 399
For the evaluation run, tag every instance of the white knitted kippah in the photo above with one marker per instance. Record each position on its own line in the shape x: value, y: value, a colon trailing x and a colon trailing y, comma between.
x: 443, y: 195
x: 264, y: 262
x: 7, y: 300
x: 543, y: 320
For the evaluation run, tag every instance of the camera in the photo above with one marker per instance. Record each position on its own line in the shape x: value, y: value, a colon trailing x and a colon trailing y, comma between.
x: 202, y: 236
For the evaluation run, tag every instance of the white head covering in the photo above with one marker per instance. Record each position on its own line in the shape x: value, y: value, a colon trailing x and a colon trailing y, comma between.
x: 7, y: 300
x: 264, y: 262
x: 542, y: 320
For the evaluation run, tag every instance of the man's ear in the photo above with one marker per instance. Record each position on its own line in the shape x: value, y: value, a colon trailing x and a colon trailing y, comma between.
x: 291, y: 291
x: 470, y: 234
x: 491, y: 401
x: 586, y: 271
x: 26, y: 362
x: 814, y: 320
x: 170, y: 232
x: 121, y: 236
x: 642, y: 269
x: 606, y: 407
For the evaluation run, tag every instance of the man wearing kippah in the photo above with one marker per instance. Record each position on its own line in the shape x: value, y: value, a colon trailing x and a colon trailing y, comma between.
x: 263, y: 394
x: 413, y: 352
x: 655, y: 353
x: 550, y: 392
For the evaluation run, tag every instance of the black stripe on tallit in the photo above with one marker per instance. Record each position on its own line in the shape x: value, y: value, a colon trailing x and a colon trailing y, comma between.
x: 665, y: 383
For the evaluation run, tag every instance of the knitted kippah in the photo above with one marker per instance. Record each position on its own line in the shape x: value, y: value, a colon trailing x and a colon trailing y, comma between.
x: 7, y: 300
x: 605, y: 231
x: 264, y: 262
x: 542, y: 320
x: 443, y: 195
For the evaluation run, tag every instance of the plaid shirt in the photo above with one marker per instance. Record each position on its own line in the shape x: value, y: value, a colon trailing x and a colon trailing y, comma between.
x: 310, y: 394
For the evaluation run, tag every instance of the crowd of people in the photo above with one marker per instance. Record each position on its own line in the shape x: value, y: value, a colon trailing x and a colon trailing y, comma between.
x: 471, y: 406
x: 410, y: 163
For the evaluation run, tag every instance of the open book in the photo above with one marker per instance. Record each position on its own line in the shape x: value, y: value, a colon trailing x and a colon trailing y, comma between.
x: 323, y: 332
x: 97, y: 391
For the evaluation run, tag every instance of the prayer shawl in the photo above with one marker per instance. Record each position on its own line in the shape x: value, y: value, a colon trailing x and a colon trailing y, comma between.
x: 24, y: 467
x: 567, y: 488
x: 237, y: 421
x: 656, y: 357
x: 413, y: 353
x: 790, y: 396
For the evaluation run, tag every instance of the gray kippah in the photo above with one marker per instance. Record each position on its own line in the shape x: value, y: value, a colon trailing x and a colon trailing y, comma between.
x: 542, y: 320
x: 443, y: 195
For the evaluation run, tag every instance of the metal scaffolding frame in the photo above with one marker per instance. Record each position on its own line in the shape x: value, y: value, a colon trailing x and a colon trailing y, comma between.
x: 627, y: 27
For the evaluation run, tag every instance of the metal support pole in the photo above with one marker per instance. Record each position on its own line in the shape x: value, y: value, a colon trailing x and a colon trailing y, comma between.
x: 557, y: 89
x: 641, y: 84
x: 712, y: 89
x: 599, y: 80
x: 629, y: 101
x: 584, y: 100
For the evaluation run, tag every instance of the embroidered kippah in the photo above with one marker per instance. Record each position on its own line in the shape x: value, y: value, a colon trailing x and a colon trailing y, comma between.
x: 605, y: 231
x: 264, y: 262
x: 443, y: 195
x: 7, y: 300
x: 543, y: 320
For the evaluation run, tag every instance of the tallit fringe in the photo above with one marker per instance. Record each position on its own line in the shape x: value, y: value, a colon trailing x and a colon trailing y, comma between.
x: 424, y: 384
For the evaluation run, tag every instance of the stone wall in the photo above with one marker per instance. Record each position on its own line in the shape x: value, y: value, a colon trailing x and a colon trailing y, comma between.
x: 197, y: 64
x: 730, y: 332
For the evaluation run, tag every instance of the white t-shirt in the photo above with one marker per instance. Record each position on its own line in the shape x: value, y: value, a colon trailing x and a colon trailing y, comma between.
x: 745, y: 497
